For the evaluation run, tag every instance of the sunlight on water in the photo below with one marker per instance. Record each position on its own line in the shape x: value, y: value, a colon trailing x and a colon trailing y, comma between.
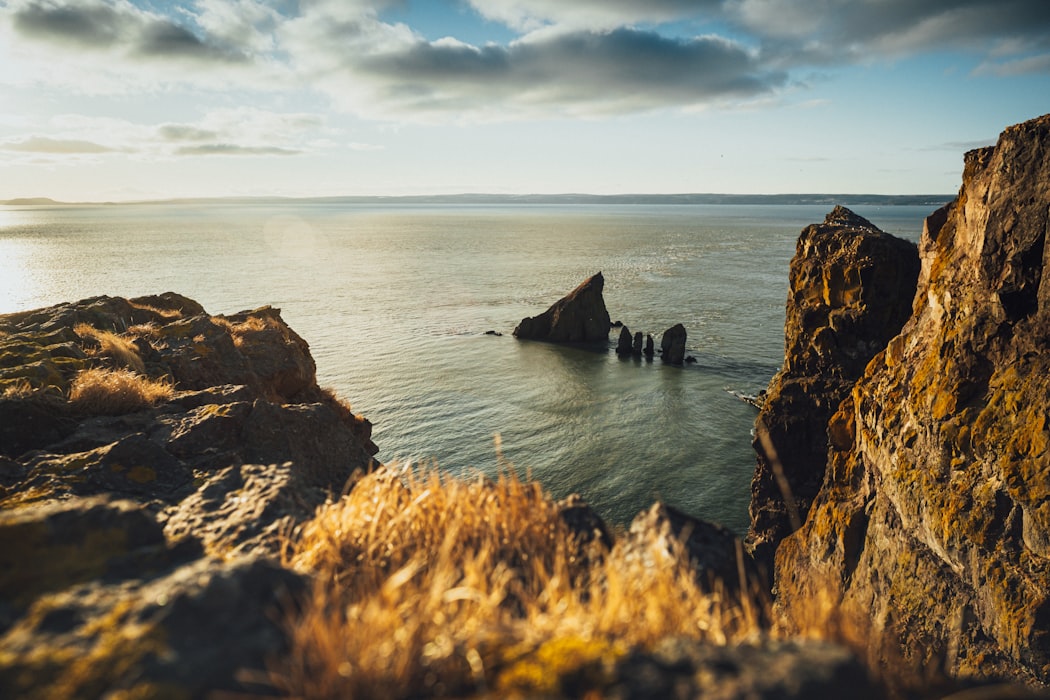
x: 16, y: 284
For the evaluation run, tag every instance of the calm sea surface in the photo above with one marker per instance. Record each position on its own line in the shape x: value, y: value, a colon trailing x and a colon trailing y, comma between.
x: 395, y: 302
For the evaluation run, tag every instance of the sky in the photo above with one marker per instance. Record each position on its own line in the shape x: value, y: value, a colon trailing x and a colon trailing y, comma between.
x: 115, y: 100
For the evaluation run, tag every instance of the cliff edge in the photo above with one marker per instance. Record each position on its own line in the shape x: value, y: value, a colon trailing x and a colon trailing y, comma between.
x: 851, y: 290
x: 932, y: 528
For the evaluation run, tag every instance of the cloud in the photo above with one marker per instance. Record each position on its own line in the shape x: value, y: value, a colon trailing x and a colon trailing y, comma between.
x: 384, y: 70
x: 119, y: 26
x: 230, y: 149
x: 528, y: 15
x: 826, y: 31
x: 582, y: 58
x: 185, y: 132
x: 51, y: 146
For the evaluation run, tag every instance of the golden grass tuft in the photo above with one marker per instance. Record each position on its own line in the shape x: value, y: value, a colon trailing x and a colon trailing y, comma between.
x: 114, y: 346
x: 429, y: 584
x: 116, y: 391
x: 19, y: 389
x: 168, y: 314
x: 252, y: 324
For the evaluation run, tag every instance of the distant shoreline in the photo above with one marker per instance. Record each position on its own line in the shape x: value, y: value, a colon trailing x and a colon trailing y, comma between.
x: 933, y: 200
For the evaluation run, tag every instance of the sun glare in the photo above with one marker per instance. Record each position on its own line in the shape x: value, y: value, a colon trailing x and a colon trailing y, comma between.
x: 15, y: 283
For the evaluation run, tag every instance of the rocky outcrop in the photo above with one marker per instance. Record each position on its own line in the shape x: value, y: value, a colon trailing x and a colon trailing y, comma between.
x: 715, y: 553
x: 140, y: 534
x: 672, y: 344
x: 579, y: 317
x: 623, y: 345
x: 850, y: 290
x: 931, y: 530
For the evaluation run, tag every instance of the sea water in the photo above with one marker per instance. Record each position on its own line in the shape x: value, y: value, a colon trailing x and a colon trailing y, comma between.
x: 395, y: 302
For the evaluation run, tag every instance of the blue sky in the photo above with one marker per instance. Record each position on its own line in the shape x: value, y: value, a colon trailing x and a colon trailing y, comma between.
x: 126, y: 100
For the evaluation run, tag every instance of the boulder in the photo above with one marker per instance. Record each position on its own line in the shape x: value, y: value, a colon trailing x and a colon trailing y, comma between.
x: 932, y: 526
x: 623, y: 346
x: 579, y: 317
x: 672, y: 344
x: 636, y: 346
x: 851, y: 288
x: 650, y: 348
x: 716, y: 554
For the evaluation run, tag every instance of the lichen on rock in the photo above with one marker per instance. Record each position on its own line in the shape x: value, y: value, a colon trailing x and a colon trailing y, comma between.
x: 933, y: 521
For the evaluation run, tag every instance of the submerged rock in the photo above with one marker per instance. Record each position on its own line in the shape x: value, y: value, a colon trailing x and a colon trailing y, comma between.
x: 933, y: 522
x: 850, y: 290
x: 579, y: 317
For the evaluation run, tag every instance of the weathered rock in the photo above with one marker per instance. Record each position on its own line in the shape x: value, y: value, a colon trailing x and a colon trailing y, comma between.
x: 196, y: 629
x: 716, y: 554
x: 583, y: 522
x: 851, y: 290
x: 770, y: 670
x: 579, y: 317
x: 623, y: 345
x: 650, y: 347
x: 932, y: 525
x: 149, y: 595
x: 672, y: 344
x: 636, y: 346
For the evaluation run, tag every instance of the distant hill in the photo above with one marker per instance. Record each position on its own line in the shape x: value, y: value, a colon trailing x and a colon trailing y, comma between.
x: 931, y: 200
x: 28, y: 201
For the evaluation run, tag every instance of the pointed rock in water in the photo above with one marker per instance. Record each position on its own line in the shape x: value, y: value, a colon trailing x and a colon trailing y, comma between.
x: 933, y: 518
x: 578, y: 317
x: 636, y: 347
x: 650, y: 346
x: 672, y: 344
x: 623, y: 346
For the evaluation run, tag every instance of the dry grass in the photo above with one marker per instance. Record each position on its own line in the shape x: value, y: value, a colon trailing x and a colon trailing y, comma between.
x: 116, y: 391
x: 113, y: 346
x: 239, y: 331
x: 19, y: 389
x: 427, y: 584
x: 168, y: 314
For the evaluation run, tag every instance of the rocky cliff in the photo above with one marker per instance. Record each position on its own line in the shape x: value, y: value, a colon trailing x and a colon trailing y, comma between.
x: 851, y: 290
x: 932, y: 528
x: 578, y: 317
x: 151, y: 455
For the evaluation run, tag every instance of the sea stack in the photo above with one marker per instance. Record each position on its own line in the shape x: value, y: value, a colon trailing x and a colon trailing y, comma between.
x: 672, y: 344
x: 623, y: 346
x: 578, y: 317
x: 932, y: 526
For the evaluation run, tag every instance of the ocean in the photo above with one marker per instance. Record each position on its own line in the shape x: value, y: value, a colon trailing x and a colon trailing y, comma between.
x: 395, y: 301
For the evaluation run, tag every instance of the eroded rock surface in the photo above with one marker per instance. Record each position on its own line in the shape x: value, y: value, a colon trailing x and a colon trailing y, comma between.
x: 139, y: 543
x: 578, y: 317
x: 933, y: 522
x: 850, y: 290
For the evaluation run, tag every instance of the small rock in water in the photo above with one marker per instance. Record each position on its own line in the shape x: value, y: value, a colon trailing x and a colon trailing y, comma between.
x: 623, y: 345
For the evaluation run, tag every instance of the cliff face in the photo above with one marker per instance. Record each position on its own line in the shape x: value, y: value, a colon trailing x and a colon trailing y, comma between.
x: 851, y: 290
x: 933, y: 523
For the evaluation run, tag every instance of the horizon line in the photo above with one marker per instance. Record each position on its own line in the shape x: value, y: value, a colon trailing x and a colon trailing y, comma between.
x: 532, y: 198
